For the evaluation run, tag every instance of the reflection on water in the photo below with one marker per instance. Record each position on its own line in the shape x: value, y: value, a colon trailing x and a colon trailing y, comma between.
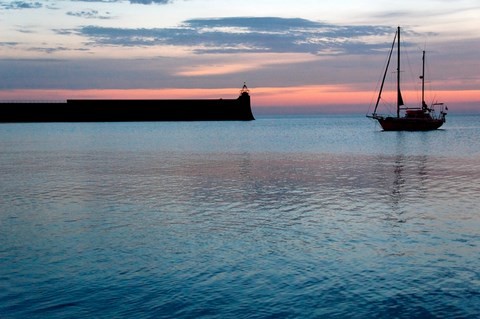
x: 400, y: 187
x: 111, y: 232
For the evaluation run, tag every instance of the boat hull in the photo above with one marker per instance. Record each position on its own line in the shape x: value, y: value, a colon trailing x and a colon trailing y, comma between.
x: 110, y: 110
x: 405, y: 124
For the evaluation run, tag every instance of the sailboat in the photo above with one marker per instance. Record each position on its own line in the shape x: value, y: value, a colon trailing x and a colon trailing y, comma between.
x: 421, y: 118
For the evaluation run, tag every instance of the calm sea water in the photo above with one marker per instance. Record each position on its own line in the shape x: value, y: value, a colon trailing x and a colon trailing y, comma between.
x: 285, y: 217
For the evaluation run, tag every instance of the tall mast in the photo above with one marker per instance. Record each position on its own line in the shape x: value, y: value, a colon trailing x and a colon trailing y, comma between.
x: 399, y: 94
x: 424, y: 105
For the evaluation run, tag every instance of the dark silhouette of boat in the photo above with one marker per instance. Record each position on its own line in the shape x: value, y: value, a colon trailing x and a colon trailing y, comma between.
x: 423, y: 118
x: 125, y: 110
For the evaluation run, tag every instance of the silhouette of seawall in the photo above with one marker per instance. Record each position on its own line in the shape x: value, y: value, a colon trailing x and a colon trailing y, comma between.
x: 116, y: 110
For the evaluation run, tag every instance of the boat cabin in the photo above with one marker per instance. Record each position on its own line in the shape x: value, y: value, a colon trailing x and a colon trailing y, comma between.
x: 417, y: 114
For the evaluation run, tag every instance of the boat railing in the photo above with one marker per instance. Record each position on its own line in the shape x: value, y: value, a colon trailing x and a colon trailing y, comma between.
x: 441, y: 108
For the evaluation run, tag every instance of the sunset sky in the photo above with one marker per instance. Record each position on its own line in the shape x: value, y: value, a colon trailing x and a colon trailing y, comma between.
x: 295, y: 56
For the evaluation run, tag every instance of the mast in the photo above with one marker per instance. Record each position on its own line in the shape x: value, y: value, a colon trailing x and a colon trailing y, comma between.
x: 399, y: 93
x: 424, y: 105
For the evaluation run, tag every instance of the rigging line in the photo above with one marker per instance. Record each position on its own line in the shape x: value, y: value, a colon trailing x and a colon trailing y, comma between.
x: 374, y: 94
x: 385, y: 73
x: 377, y: 86
x: 411, y: 75
x: 430, y: 91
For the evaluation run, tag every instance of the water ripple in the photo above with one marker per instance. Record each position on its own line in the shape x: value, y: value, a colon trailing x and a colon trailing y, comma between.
x: 160, y: 234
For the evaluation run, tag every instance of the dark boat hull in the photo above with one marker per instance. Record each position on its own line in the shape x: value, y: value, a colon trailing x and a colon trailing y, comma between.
x: 406, y: 124
x: 129, y: 110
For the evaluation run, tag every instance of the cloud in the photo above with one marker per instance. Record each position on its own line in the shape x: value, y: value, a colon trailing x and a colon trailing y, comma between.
x: 50, y: 50
x: 16, y: 5
x: 150, y: 1
x: 101, y: 1
x: 25, y: 31
x: 131, y: 1
x: 89, y: 14
x: 8, y: 44
x: 247, y: 34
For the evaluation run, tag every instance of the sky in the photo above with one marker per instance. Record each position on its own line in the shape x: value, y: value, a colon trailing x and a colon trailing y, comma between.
x: 297, y: 56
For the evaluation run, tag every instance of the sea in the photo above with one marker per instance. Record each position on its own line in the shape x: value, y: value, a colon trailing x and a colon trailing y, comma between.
x: 318, y: 216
